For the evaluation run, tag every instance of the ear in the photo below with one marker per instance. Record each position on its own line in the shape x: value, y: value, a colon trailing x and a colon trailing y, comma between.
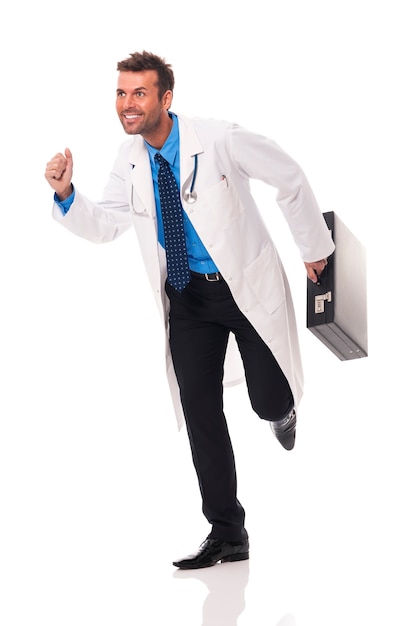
x: 167, y: 99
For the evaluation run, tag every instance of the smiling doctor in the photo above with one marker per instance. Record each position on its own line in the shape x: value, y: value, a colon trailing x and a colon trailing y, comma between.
x: 225, y: 292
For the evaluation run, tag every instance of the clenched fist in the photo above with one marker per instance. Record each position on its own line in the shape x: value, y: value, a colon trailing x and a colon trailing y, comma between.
x: 58, y: 173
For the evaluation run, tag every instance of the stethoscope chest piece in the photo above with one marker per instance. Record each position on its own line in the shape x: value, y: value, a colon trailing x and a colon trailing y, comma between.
x: 190, y: 196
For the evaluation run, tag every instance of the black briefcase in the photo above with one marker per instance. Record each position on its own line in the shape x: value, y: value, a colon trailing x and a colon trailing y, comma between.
x: 337, y: 304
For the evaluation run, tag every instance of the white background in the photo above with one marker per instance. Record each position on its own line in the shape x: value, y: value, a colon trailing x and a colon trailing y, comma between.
x: 97, y: 490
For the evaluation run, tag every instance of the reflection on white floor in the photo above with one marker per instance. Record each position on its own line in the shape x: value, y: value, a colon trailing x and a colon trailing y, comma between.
x: 221, y: 583
x: 225, y: 600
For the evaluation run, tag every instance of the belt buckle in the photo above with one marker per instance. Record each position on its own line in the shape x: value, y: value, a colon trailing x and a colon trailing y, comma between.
x: 213, y: 280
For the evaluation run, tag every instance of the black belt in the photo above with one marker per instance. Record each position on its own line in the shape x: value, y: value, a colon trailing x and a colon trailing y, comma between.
x: 212, y: 278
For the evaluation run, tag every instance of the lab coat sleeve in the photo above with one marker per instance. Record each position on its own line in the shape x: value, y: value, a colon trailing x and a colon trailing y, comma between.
x: 261, y: 158
x: 103, y: 221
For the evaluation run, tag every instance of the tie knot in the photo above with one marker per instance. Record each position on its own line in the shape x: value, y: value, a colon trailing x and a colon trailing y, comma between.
x: 160, y: 159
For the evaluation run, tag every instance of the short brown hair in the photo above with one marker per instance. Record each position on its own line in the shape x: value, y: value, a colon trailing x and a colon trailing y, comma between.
x: 140, y: 61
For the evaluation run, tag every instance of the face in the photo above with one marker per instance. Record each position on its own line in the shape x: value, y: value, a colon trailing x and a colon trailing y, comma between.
x: 138, y: 106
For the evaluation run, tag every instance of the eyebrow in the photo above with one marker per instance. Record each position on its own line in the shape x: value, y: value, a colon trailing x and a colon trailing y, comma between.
x: 134, y: 89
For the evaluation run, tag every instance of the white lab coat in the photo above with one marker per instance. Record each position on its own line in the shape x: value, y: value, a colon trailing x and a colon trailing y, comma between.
x: 228, y: 222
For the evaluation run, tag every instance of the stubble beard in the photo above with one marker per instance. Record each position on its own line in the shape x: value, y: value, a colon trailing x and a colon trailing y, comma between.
x: 131, y: 129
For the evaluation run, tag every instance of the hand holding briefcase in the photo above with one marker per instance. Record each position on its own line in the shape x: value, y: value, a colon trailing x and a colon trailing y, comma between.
x: 337, y: 303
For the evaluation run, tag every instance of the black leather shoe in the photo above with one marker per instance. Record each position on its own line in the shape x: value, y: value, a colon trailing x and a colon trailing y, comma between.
x: 284, y: 430
x: 212, y: 551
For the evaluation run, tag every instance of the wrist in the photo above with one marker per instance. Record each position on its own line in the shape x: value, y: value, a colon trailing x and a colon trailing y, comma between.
x: 63, y: 195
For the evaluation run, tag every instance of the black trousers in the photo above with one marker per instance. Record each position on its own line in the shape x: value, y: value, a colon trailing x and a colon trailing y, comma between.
x: 201, y: 318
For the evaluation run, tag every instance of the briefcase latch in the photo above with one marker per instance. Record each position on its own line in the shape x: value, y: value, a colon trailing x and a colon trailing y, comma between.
x: 320, y: 300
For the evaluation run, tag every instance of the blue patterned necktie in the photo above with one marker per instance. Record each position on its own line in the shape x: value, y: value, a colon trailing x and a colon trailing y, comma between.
x: 173, y: 221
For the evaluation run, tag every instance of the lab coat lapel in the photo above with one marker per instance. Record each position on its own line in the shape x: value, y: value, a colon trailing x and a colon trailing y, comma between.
x: 142, y: 177
x: 189, y: 146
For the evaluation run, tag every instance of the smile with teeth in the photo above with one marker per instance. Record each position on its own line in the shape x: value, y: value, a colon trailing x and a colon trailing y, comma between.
x: 132, y: 116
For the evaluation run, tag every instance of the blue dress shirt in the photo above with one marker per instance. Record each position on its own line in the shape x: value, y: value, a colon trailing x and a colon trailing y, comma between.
x: 199, y: 259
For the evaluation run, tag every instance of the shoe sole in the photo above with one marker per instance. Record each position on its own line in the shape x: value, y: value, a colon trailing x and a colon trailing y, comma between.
x: 243, y: 556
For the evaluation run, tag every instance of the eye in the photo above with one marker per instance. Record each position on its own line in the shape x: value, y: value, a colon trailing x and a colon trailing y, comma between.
x: 140, y: 93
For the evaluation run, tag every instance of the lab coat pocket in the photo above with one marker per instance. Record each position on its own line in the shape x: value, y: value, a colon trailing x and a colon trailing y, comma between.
x: 264, y: 276
x: 217, y: 207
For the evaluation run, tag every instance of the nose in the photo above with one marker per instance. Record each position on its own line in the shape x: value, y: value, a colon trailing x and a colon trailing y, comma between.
x: 127, y: 102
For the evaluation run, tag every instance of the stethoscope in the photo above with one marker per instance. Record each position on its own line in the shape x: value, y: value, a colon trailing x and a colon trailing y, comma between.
x: 190, y: 195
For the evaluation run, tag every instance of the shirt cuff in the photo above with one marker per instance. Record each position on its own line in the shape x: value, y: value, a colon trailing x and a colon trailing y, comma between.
x: 64, y: 205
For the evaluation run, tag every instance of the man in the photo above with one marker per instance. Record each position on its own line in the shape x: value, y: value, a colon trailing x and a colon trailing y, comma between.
x: 213, y: 268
